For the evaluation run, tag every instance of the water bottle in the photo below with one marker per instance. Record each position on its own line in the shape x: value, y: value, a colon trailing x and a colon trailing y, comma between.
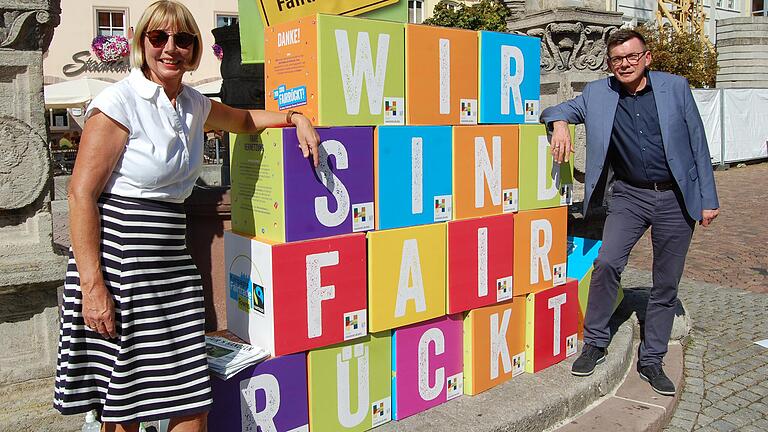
x: 91, y: 423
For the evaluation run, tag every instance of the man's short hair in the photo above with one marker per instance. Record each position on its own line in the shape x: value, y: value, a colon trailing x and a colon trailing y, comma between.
x: 622, y: 35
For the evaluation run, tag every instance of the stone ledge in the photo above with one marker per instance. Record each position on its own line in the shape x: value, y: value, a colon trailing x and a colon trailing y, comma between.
x: 529, y: 402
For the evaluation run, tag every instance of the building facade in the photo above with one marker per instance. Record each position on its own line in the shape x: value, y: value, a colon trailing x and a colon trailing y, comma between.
x: 70, y: 55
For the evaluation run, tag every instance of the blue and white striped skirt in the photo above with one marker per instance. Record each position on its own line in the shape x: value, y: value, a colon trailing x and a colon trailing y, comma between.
x: 156, y: 367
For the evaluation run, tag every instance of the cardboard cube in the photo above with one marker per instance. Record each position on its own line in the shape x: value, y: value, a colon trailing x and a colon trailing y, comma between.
x: 349, y: 385
x: 551, y: 320
x: 279, y: 195
x: 412, y: 167
x: 406, y: 276
x: 485, y: 170
x: 290, y: 297
x: 426, y: 366
x: 540, y: 249
x: 440, y: 75
x: 271, y: 395
x: 339, y: 71
x: 543, y: 183
x: 494, y: 345
x: 480, y: 262
x: 509, y: 78
x: 582, y: 253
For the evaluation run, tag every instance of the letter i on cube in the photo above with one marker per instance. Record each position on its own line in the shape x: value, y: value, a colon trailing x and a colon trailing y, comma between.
x: 480, y: 262
x: 412, y: 175
x: 441, y: 75
x: 270, y: 396
x: 291, y: 297
x: 277, y: 194
x: 341, y: 71
x: 509, y: 78
x: 349, y: 385
x: 494, y: 345
x: 540, y: 249
x: 485, y: 170
x: 543, y: 183
x: 551, y: 326
x: 427, y: 365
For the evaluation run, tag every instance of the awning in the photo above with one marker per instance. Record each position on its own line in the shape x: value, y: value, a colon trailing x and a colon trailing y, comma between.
x: 74, y: 93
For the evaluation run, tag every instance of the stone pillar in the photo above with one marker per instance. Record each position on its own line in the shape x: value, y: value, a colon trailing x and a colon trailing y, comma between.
x: 30, y: 269
x: 573, y: 44
x: 742, y: 52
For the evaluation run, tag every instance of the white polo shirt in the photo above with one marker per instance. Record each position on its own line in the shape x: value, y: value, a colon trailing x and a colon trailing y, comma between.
x: 164, y: 153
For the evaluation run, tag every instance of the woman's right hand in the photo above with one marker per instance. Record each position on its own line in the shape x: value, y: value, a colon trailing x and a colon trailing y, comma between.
x: 99, y: 310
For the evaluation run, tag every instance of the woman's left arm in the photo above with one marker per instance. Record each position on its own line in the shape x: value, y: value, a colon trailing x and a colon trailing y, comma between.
x: 236, y: 120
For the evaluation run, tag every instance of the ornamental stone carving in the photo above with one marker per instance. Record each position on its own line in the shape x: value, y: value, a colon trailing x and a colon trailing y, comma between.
x: 567, y: 46
x: 28, y: 25
x: 24, y: 164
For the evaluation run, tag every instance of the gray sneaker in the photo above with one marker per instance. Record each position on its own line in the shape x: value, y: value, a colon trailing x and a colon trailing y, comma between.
x: 590, y: 357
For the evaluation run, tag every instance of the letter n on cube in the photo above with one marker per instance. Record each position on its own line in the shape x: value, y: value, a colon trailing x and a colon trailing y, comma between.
x: 290, y: 297
x: 551, y: 326
x: 271, y: 395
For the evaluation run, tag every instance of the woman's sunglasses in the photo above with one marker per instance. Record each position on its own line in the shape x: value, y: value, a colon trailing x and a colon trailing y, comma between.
x: 158, y: 38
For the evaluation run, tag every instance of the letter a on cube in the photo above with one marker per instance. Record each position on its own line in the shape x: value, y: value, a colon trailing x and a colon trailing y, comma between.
x: 271, y: 395
x: 406, y: 276
x: 509, y: 78
x: 480, y: 262
x: 540, y: 249
x: 291, y: 297
x: 341, y: 71
x: 427, y: 365
x: 349, y: 385
x: 412, y: 175
x: 494, y: 345
x: 551, y: 321
x: 278, y: 195
x: 441, y: 75
x: 543, y: 183
x: 485, y: 180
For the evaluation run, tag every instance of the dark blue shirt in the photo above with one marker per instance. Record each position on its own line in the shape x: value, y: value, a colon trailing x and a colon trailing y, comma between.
x: 636, y: 151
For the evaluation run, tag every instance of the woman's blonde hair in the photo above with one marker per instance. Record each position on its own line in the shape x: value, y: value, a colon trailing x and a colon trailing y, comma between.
x: 158, y: 14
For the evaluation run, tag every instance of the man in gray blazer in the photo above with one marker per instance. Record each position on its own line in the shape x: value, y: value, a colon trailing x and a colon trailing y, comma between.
x: 645, y: 125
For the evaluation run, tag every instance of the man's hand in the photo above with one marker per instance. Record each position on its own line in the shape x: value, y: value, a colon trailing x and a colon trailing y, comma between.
x: 309, y: 140
x: 561, y: 143
x: 707, y: 216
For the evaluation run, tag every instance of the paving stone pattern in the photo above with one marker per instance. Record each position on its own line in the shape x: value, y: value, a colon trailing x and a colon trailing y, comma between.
x: 733, y: 251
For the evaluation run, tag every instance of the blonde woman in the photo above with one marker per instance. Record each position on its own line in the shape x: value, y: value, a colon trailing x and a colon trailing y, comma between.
x: 132, y: 341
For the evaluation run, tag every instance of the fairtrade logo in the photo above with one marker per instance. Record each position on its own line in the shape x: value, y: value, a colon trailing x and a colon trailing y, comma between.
x: 378, y: 409
x: 359, y: 214
x: 391, y: 108
x: 351, y: 322
x: 466, y: 108
x: 508, y: 197
x: 502, y: 287
x: 440, y: 205
x: 453, y: 384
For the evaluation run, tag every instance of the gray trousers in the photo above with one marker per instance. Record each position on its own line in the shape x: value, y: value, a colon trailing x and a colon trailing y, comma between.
x: 631, y: 211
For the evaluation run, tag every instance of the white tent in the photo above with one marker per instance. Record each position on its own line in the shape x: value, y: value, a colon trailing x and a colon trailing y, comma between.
x: 209, y: 88
x: 74, y: 93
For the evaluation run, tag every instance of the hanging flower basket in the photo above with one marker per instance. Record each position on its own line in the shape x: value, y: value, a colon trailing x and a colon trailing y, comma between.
x: 217, y: 51
x: 110, y: 48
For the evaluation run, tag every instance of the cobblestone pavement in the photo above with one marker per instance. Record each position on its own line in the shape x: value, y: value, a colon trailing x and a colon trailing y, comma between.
x: 726, y: 373
x: 732, y: 251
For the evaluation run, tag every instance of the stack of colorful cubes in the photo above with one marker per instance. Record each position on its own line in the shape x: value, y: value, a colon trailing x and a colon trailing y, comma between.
x: 425, y: 258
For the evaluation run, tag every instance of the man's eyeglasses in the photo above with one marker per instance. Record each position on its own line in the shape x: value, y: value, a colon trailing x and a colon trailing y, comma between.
x: 158, y: 38
x: 632, y: 59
